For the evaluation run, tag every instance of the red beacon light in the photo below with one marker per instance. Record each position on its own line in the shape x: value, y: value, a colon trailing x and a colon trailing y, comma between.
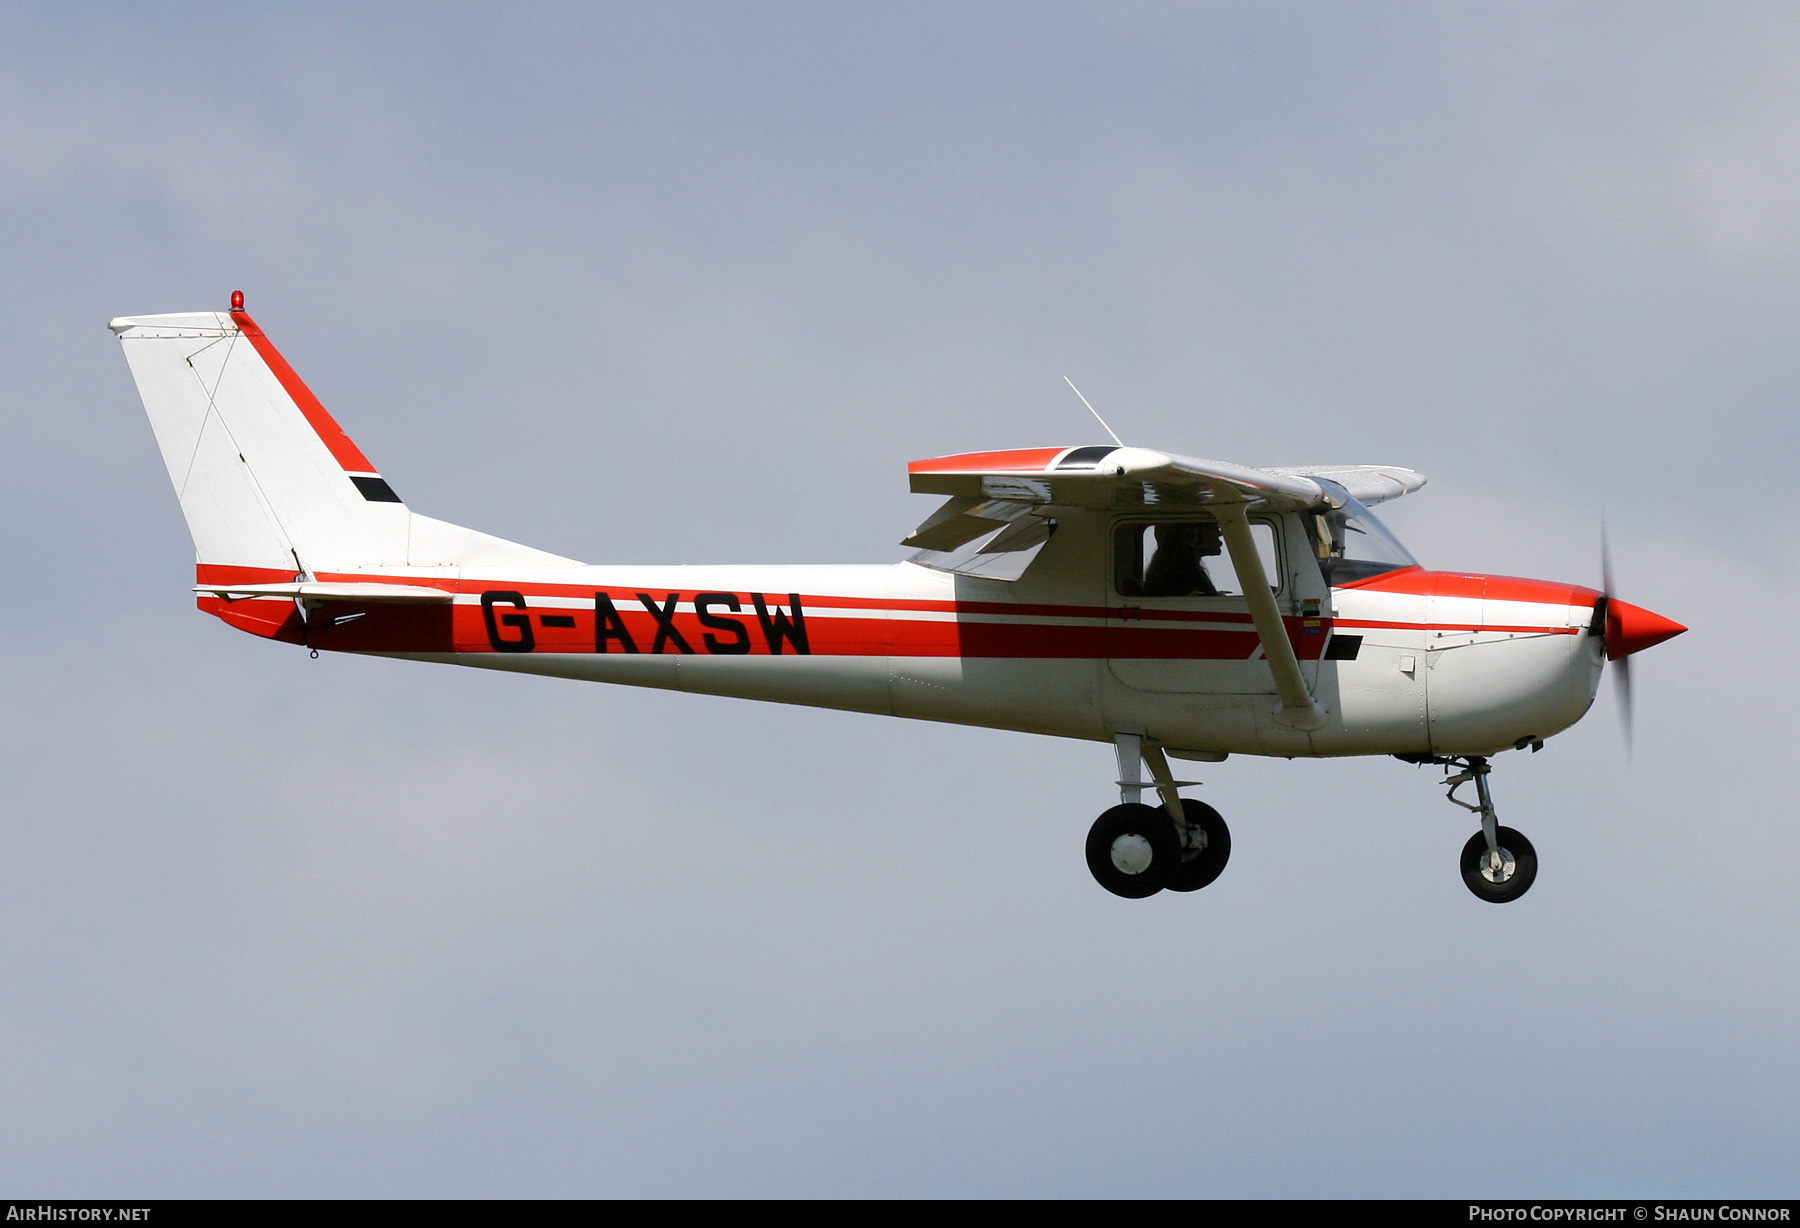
x: 237, y: 300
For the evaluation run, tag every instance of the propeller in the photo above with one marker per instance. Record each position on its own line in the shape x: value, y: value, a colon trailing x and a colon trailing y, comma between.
x: 1621, y: 665
x: 1627, y: 629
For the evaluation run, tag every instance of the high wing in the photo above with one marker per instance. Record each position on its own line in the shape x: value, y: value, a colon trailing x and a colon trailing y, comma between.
x: 1115, y: 477
x: 999, y: 501
x: 998, y: 515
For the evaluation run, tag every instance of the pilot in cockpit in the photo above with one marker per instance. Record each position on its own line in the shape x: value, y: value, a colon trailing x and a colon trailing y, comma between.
x: 1177, y: 568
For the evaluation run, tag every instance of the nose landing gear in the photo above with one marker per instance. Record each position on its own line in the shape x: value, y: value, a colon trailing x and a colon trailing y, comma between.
x: 1134, y: 850
x: 1498, y: 864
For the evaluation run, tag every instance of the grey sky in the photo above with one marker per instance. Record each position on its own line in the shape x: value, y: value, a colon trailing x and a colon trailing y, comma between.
x: 669, y: 283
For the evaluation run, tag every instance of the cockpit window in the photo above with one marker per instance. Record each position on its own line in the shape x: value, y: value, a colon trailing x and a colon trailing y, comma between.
x: 1351, y: 544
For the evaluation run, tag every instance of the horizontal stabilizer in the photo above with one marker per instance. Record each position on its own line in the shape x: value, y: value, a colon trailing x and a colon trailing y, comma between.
x: 315, y: 590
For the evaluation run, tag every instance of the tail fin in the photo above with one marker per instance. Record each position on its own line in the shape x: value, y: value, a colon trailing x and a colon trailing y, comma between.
x: 266, y: 478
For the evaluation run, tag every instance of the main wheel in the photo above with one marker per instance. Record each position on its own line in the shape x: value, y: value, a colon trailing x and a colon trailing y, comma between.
x: 1132, y: 850
x: 1209, y: 847
x: 1503, y: 878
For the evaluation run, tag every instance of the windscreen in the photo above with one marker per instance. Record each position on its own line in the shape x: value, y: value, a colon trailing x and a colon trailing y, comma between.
x: 1351, y: 544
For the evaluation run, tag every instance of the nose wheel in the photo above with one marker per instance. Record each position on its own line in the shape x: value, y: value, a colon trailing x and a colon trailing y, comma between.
x: 1498, y: 864
x: 1501, y: 874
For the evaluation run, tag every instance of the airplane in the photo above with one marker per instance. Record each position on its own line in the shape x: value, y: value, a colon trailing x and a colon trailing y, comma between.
x: 1175, y: 607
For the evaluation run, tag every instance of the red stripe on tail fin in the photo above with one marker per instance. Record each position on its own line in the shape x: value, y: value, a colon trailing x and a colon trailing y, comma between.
x: 342, y: 449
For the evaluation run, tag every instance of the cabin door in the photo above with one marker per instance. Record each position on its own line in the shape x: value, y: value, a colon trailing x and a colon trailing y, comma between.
x: 1177, y: 620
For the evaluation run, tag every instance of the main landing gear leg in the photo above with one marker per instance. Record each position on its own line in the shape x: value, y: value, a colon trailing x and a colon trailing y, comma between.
x: 1498, y: 864
x: 1135, y: 850
x: 1129, y: 747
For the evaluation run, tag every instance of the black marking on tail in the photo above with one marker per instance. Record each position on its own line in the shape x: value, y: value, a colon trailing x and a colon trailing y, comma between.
x: 375, y: 489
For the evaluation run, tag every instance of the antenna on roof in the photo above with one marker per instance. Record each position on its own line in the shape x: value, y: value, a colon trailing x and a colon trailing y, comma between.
x: 1093, y: 411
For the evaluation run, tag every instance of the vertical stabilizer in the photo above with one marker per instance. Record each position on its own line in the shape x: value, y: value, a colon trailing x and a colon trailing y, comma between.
x: 265, y: 476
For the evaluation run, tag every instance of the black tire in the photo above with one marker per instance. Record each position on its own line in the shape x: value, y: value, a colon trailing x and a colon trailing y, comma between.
x: 1199, y: 867
x: 1132, y: 849
x: 1523, y: 870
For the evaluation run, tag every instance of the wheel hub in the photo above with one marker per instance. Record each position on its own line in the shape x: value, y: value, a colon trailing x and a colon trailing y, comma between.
x: 1132, y: 854
x: 1498, y: 866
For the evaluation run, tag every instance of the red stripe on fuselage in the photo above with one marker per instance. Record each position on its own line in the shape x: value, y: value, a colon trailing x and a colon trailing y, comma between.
x: 273, y: 619
x: 1416, y: 581
x: 463, y: 627
x: 342, y: 450
x: 226, y: 573
x: 980, y: 629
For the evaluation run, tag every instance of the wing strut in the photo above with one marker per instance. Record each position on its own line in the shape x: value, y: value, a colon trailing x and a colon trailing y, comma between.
x: 1298, y: 709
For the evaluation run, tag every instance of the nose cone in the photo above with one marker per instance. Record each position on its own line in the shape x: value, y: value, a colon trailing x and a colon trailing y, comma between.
x: 1631, y: 628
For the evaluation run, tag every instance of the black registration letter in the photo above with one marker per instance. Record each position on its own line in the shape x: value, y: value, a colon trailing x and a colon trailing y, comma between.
x: 664, y: 615
x: 609, y: 626
x: 740, y: 636
x: 776, y: 626
x: 526, y: 641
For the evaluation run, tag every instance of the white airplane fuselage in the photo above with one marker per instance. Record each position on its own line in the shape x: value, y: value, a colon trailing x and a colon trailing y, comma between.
x: 1441, y: 663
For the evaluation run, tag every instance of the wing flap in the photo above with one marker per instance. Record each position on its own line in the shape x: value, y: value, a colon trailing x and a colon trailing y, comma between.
x: 995, y: 539
x: 961, y: 520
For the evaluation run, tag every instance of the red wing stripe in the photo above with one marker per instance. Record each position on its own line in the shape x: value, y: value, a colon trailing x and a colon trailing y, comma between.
x: 1020, y: 460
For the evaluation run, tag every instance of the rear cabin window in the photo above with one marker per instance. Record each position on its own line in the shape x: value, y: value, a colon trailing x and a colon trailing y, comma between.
x: 1185, y: 558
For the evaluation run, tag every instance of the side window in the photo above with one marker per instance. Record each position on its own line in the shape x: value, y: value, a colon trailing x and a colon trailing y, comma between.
x: 1184, y: 558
